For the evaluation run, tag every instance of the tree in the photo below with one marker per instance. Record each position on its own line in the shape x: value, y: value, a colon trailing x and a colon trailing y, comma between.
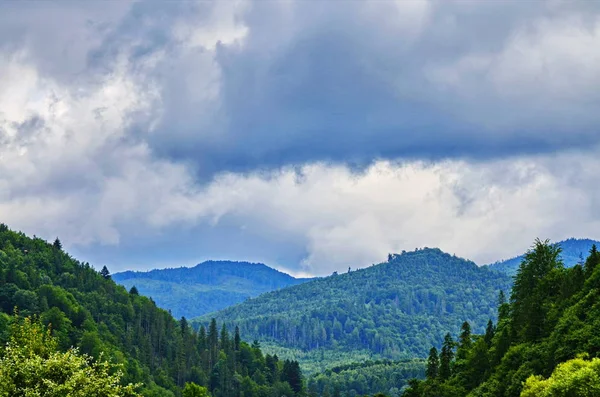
x: 237, y: 340
x: 105, y: 273
x: 57, y: 244
x: 464, y: 341
x: 446, y: 357
x: 532, y: 288
x: 592, y: 261
x: 291, y: 374
x: 433, y: 364
x: 489, y: 333
x: 576, y: 377
x: 134, y: 291
x: 31, y: 365
x: 193, y: 390
x: 503, y: 307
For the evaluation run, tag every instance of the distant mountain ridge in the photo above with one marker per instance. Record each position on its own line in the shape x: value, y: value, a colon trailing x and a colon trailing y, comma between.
x: 206, y: 287
x: 574, y: 250
x: 395, y: 310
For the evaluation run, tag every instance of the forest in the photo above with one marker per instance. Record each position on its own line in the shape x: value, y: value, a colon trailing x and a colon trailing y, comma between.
x: 68, y: 329
x: 545, y: 341
x: 395, y: 310
x: 95, y: 324
x: 207, y: 287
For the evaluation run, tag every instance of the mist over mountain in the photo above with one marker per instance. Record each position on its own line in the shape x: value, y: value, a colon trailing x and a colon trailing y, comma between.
x: 207, y: 287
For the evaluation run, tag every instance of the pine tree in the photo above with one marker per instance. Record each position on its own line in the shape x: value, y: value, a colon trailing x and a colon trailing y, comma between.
x: 57, y: 244
x: 592, y: 261
x: 489, y: 333
x: 531, y: 289
x: 224, y: 343
x: 464, y: 341
x: 237, y: 340
x: 433, y: 364
x: 503, y: 307
x: 446, y: 357
x: 134, y: 291
x: 105, y: 273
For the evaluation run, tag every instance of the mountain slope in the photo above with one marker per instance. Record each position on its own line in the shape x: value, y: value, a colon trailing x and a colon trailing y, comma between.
x: 396, y: 309
x: 88, y: 310
x: 207, y: 287
x: 549, y: 329
x: 573, y: 252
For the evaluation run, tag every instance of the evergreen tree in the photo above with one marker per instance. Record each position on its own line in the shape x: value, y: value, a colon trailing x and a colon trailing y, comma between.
x: 592, y: 261
x: 134, y: 291
x: 433, y: 364
x: 237, y: 340
x: 532, y: 287
x: 292, y: 375
x: 464, y: 341
x: 105, y: 273
x: 446, y: 357
x: 224, y: 343
x: 503, y: 307
x: 57, y: 244
x: 489, y: 333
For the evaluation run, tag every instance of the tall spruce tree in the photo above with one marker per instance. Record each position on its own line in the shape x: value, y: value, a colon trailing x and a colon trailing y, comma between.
x: 532, y: 288
x: 446, y: 357
x: 433, y: 364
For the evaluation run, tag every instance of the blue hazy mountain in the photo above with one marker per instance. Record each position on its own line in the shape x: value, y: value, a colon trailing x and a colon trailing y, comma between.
x: 573, y: 251
x: 206, y: 287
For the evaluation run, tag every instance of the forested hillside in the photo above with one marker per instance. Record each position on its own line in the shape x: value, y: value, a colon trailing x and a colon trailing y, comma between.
x: 366, y: 378
x: 573, y: 251
x: 206, y: 287
x: 545, y: 343
x: 395, y: 310
x: 86, y: 309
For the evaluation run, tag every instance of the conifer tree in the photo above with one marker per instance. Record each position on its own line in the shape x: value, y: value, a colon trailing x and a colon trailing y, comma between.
x: 464, y: 341
x: 489, y: 333
x: 592, y: 261
x: 105, y: 273
x: 446, y: 357
x: 433, y: 364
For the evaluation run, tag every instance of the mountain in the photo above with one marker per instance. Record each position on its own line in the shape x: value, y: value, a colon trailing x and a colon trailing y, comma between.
x: 86, y: 309
x: 545, y: 342
x: 394, y: 310
x: 207, y: 287
x: 573, y: 251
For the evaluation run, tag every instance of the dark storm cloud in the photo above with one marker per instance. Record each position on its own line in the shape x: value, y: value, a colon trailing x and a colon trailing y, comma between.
x: 119, y: 122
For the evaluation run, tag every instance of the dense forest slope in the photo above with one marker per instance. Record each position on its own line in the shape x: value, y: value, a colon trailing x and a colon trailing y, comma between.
x: 88, y: 310
x: 207, y: 287
x: 545, y: 343
x: 366, y: 378
x: 395, y: 310
x: 573, y: 251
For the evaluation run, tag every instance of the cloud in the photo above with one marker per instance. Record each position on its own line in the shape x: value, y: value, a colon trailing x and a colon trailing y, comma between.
x: 309, y: 136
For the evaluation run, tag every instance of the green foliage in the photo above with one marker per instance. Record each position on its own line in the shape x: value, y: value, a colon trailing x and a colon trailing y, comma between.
x: 393, y: 310
x: 193, y: 390
x: 31, y: 365
x: 85, y: 309
x: 573, y: 378
x: 553, y: 317
x: 207, y: 287
x: 366, y: 378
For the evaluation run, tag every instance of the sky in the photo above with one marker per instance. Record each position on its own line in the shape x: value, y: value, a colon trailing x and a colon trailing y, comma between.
x: 310, y: 136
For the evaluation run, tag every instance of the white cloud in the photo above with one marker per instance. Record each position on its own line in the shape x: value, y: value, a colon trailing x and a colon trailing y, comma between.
x: 79, y: 154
